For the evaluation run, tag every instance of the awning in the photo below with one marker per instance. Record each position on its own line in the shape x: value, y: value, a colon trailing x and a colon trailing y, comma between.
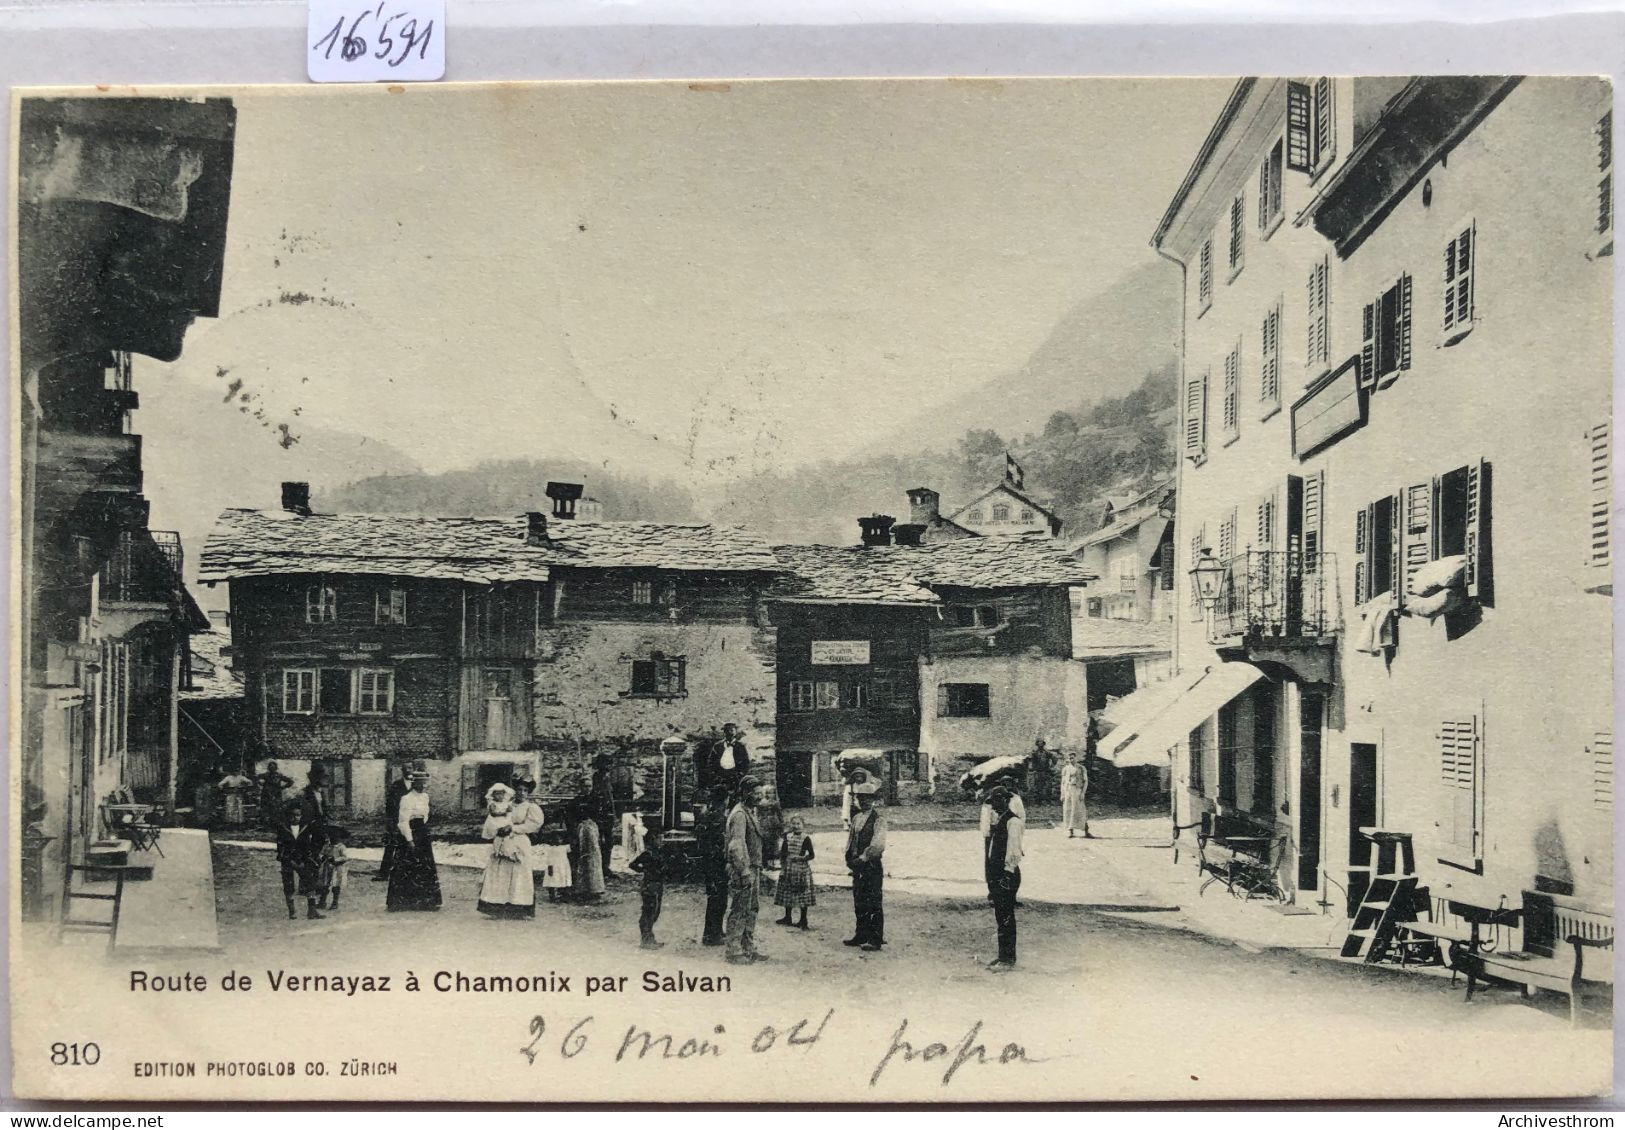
x: 1145, y: 733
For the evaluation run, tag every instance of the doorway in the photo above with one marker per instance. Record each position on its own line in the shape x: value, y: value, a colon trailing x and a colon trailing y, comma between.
x: 1362, y: 814
x: 793, y: 775
x: 1311, y: 708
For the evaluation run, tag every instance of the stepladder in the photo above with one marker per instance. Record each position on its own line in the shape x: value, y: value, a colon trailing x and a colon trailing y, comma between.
x: 1389, y: 900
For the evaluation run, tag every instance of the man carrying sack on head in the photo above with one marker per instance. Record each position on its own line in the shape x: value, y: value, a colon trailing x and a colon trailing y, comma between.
x: 865, y: 844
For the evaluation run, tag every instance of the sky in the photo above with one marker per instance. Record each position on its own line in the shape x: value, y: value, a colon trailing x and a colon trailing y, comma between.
x: 703, y: 279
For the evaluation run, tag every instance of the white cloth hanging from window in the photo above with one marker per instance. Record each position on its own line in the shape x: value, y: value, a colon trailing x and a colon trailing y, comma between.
x: 1375, y: 631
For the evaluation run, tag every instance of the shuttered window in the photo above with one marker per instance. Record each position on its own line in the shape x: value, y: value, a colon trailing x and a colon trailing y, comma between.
x: 1460, y: 777
x: 1197, y: 754
x: 1204, y: 278
x: 1418, y: 530
x: 1605, y: 175
x: 1600, y: 552
x: 1269, y: 360
x: 801, y: 694
x: 1317, y: 352
x: 1266, y: 523
x: 1299, y: 125
x: 375, y: 691
x: 1269, y: 189
x: 389, y: 606
x: 1198, y: 543
x: 1601, y: 749
x: 1232, y: 393
x: 1460, y: 255
x: 1325, y: 142
x: 1238, y: 225
x: 299, y: 691
x: 1227, y: 538
x: 1311, y: 490
x: 1196, y: 417
x: 1377, y: 537
x: 321, y: 605
x: 1385, y: 347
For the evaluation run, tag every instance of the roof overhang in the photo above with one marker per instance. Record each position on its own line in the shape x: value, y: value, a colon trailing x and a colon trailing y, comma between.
x: 1221, y: 126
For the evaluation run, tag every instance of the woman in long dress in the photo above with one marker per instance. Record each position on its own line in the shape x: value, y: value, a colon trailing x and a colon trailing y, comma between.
x: 589, y: 866
x: 509, y: 891
x: 414, y: 883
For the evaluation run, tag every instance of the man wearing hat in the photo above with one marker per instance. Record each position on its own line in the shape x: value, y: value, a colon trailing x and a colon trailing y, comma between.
x: 865, y: 844
x: 1004, y: 874
x: 602, y: 805
x: 744, y: 874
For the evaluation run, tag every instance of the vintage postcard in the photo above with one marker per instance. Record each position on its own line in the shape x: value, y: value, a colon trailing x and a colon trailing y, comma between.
x: 813, y: 591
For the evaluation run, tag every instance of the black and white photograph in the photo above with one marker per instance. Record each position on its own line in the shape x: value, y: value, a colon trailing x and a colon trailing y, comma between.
x: 984, y: 591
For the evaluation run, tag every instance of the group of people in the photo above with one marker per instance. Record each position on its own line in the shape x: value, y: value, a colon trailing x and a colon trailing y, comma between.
x: 312, y: 852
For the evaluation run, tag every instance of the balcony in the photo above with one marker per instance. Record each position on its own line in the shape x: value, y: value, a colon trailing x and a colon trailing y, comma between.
x: 1280, y: 605
x: 145, y: 568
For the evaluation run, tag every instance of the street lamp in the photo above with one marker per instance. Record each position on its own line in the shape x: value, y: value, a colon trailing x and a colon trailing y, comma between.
x: 1207, y: 575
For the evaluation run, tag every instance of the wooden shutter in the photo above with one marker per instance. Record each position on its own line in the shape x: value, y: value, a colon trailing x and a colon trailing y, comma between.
x: 1601, y: 748
x: 1402, y: 323
x: 1298, y: 125
x: 471, y: 798
x: 1198, y: 542
x: 1605, y: 166
x: 1204, y: 279
x: 1324, y: 142
x: 1396, y: 546
x: 1600, y: 554
x: 1264, y: 195
x: 1368, y: 345
x: 1265, y: 531
x: 1459, y: 775
x: 1362, y: 543
x: 1479, y: 576
x: 1316, y: 344
x: 1459, y: 254
x: 1232, y: 381
x: 1227, y: 538
x: 1269, y: 380
x: 1420, y: 500
x: 1311, y: 518
x: 1238, y: 222
x: 1196, y: 417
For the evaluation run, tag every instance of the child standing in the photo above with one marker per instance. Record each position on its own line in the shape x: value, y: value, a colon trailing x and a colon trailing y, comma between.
x: 287, y: 853
x: 554, y: 852
x: 652, y: 864
x: 336, y: 858
x: 795, y: 880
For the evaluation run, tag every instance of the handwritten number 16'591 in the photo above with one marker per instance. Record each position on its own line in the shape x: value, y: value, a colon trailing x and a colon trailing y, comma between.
x: 352, y: 45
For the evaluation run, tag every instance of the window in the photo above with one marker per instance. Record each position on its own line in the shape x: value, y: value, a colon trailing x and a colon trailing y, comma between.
x: 375, y: 690
x: 1310, y: 128
x: 335, y: 683
x: 1196, y: 418
x: 1318, y: 349
x: 1269, y: 361
x: 1227, y: 538
x: 1600, y: 552
x: 1198, y: 543
x: 974, y: 516
x: 1001, y: 513
x: 1204, y: 279
x: 389, y: 607
x: 1311, y: 489
x: 1197, y: 752
x: 1232, y: 387
x: 643, y: 592
x: 1227, y: 753
x: 321, y: 605
x: 1460, y: 776
x: 1605, y: 181
x: 1266, y: 523
x: 963, y: 700
x: 827, y: 694
x: 910, y: 766
x: 1375, y: 541
x: 1238, y: 227
x: 1385, y: 347
x: 857, y: 695
x: 1601, y: 749
x: 1094, y: 606
x: 660, y: 676
x: 801, y: 694
x: 1269, y: 191
x: 1026, y: 515
x: 975, y: 616
x: 1459, y: 257
x: 299, y: 691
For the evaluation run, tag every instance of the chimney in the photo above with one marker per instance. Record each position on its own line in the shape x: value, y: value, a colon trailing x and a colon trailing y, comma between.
x: 590, y: 510
x: 877, y: 529
x: 907, y: 533
x: 564, y: 497
x: 296, y: 498
x: 535, y: 528
x: 924, y: 506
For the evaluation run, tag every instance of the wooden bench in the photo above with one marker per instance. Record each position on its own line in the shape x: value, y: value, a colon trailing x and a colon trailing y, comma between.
x: 1451, y: 932
x: 1563, y: 950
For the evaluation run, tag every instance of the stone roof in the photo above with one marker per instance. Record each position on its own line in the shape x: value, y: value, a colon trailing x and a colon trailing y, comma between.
x: 251, y: 543
x: 896, y: 574
x: 211, y: 675
x: 1096, y: 637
